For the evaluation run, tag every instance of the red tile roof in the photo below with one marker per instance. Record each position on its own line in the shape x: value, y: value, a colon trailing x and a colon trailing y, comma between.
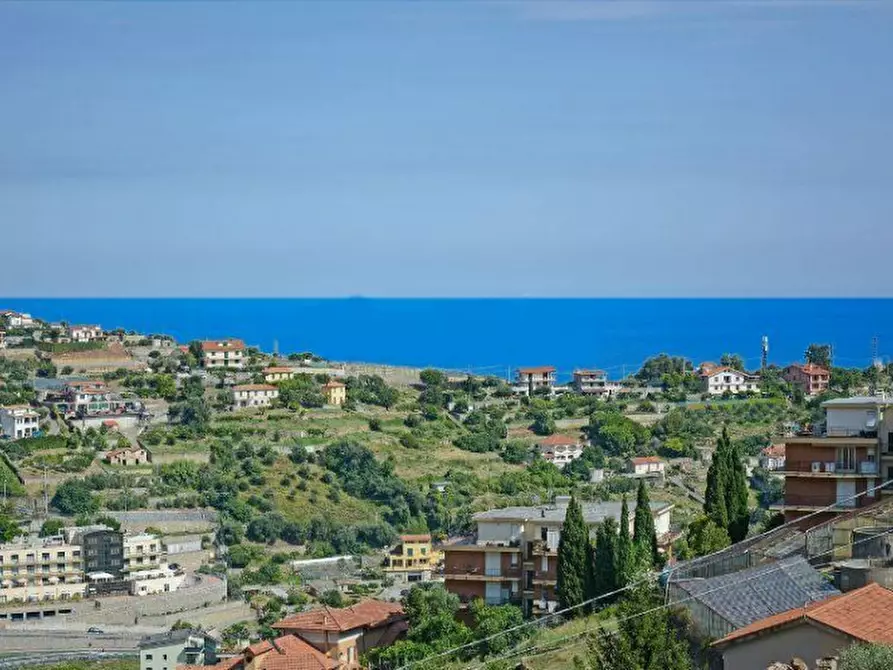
x: 288, y: 652
x: 709, y: 371
x: 369, y: 613
x: 856, y: 614
x: 254, y: 387
x: 536, y: 371
x: 810, y: 369
x: 222, y: 345
x: 558, y: 440
x: 774, y: 450
x: 642, y: 460
x: 415, y: 538
x: 225, y: 664
x: 332, y: 384
x: 110, y: 423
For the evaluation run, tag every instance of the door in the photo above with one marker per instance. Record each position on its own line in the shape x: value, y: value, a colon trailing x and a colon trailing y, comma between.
x: 846, y: 492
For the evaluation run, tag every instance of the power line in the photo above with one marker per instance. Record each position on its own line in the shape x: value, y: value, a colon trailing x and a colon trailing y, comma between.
x: 714, y: 556
x: 657, y: 608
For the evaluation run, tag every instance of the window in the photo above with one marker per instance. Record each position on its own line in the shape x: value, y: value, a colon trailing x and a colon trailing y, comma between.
x: 148, y: 657
x: 409, y: 551
x: 164, y: 657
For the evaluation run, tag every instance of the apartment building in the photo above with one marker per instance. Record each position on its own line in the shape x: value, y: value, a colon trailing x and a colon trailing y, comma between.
x: 223, y: 353
x: 560, y: 449
x: 514, y: 554
x: 413, y: 559
x: 254, y: 395
x: 531, y: 380
x: 278, y: 374
x: 841, y: 463
x: 335, y: 392
x: 85, y: 333
x: 167, y: 651
x: 717, y: 381
x: 812, y: 379
x: 143, y: 552
x: 594, y: 382
x: 18, y: 421
x: 41, y: 569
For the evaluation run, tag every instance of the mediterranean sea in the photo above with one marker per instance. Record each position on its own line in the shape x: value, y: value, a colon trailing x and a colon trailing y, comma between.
x: 491, y: 336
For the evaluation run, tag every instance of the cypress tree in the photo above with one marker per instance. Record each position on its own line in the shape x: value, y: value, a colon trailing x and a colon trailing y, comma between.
x: 625, y: 563
x: 574, y: 570
x: 715, y: 498
x: 737, y: 495
x: 606, y: 565
x: 644, y: 534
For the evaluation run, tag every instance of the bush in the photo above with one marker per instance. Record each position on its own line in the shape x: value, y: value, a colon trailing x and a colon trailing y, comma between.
x: 375, y: 424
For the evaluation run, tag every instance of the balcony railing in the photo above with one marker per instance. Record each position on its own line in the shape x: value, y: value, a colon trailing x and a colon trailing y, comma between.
x: 831, y: 467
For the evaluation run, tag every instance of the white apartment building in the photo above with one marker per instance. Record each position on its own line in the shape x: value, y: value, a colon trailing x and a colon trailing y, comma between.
x: 254, y: 395
x: 560, y: 449
x: 18, y: 319
x: 18, y: 421
x: 143, y: 552
x: 85, y: 333
x: 223, y: 353
x: 41, y: 569
x: 530, y: 380
x: 716, y: 381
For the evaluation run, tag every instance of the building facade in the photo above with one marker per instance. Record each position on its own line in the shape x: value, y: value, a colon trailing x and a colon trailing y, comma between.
x: 514, y: 555
x: 560, y: 449
x: 335, y: 392
x: 278, y: 374
x: 143, y: 552
x: 41, y: 569
x: 165, y: 651
x: 413, y: 559
x: 812, y: 379
x: 254, y: 395
x: 18, y: 421
x: 223, y: 354
x: 717, y: 381
x: 127, y: 456
x: 773, y: 457
x: 843, y: 463
x: 85, y: 333
x: 643, y: 466
x: 532, y: 380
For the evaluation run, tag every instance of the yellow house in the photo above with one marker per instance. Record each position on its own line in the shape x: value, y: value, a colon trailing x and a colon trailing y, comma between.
x: 335, y: 392
x: 413, y: 559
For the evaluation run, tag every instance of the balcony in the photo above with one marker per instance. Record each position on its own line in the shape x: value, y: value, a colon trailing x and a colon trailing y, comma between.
x: 823, y: 469
x: 542, y: 547
x: 473, y: 574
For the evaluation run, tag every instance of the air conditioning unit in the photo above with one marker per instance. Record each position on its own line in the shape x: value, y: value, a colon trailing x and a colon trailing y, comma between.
x: 829, y: 467
x: 816, y: 466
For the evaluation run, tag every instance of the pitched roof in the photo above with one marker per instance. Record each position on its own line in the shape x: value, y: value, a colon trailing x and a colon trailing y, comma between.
x: 367, y: 613
x: 536, y: 370
x: 287, y: 652
x: 224, y: 664
x: 809, y: 368
x: 774, y: 450
x: 642, y: 460
x: 415, y: 538
x: 557, y: 440
x: 710, y: 371
x: 856, y: 614
x: 254, y: 387
x: 332, y: 384
x: 222, y: 345
x: 756, y: 593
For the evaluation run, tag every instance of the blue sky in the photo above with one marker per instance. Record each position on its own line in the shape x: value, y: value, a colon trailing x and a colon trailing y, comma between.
x: 446, y: 148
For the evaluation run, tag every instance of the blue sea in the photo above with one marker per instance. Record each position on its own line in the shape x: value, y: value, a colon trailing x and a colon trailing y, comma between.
x: 492, y: 336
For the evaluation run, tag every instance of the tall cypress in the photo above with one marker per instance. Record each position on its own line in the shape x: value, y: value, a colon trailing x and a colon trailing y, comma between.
x: 644, y: 533
x: 606, y: 573
x: 625, y: 563
x: 715, y: 498
x: 737, y: 495
x: 574, y: 571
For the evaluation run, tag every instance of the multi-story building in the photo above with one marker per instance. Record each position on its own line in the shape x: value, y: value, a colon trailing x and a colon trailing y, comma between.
x: 254, y: 395
x: 143, y: 552
x: 335, y: 392
x: 167, y: 651
x: 18, y: 421
x: 278, y: 374
x: 17, y: 319
x: 102, y: 548
x: 772, y: 457
x: 513, y: 557
x: 716, y: 381
x: 812, y: 378
x: 594, y: 382
x: 223, y: 353
x: 842, y: 463
x: 531, y: 380
x: 85, y: 333
x: 41, y: 569
x: 560, y: 449
x: 414, y: 559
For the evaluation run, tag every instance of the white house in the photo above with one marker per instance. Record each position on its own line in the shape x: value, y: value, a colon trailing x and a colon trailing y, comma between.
x: 646, y: 465
x: 223, y: 353
x: 716, y: 381
x: 18, y: 421
x: 254, y: 395
x: 529, y: 380
x: 560, y: 449
x: 85, y: 333
x: 17, y: 319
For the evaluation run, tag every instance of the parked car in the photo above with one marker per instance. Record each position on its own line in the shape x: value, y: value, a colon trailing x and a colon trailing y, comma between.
x: 93, y: 630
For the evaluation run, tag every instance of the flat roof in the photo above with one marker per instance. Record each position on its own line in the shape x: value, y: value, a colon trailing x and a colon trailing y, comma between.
x: 592, y: 512
x: 859, y: 401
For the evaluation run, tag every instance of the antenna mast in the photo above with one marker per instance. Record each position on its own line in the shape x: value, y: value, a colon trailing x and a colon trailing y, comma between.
x: 764, y: 360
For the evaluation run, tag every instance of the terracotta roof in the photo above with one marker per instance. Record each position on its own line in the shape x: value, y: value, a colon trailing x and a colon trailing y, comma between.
x: 557, y: 440
x: 225, y: 664
x: 774, y: 450
x: 809, y: 368
x: 371, y: 613
x: 709, y: 371
x: 332, y: 384
x: 275, y: 369
x: 535, y: 371
x: 254, y: 387
x: 642, y: 460
x: 125, y: 450
x: 415, y: 538
x: 222, y: 345
x: 111, y: 423
x: 288, y: 652
x: 856, y: 614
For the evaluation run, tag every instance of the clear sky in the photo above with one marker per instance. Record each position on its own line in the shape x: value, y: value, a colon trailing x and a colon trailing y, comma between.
x: 446, y: 148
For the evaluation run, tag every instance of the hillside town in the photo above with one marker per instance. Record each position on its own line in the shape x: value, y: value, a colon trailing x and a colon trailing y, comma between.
x: 206, y: 504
